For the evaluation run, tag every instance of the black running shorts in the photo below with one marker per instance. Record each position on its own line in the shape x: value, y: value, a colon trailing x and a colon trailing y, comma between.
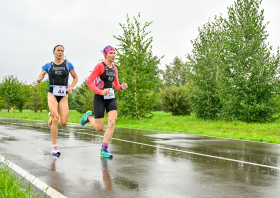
x: 100, y: 104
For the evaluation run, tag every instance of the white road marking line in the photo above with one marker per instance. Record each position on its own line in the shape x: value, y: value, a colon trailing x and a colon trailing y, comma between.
x: 194, y: 153
x: 32, y: 179
x: 190, y: 152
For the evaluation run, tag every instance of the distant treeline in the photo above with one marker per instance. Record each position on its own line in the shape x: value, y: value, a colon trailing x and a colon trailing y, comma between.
x: 230, y: 74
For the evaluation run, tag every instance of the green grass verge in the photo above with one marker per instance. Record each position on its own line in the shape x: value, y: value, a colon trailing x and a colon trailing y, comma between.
x: 266, y: 132
x: 11, y: 186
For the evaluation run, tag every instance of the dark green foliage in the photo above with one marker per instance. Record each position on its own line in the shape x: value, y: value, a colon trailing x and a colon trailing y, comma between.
x: 175, y: 100
x: 44, y: 89
x: 157, y: 102
x: 234, y: 73
x: 249, y: 80
x: 23, y: 96
x: 36, y: 98
x: 83, y: 98
x: 204, y: 64
x: 71, y: 99
x: 138, y: 68
x: 2, y: 103
x: 10, y: 90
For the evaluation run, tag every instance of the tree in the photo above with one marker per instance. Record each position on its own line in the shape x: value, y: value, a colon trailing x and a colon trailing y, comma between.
x: 138, y: 68
x: 249, y: 80
x: 9, y: 90
x: 23, y: 96
x: 36, y: 99
x: 203, y: 70
x: 83, y: 98
x: 43, y: 89
x: 175, y: 73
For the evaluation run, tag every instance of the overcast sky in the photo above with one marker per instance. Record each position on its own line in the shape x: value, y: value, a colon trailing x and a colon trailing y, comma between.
x: 29, y: 29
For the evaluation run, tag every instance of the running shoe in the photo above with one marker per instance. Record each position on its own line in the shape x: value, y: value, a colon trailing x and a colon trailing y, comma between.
x: 84, y: 119
x: 55, y: 151
x: 105, y: 153
x: 50, y: 120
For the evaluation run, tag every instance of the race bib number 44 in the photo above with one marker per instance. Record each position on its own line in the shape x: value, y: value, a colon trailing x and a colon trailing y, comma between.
x: 59, y: 90
x: 111, y: 94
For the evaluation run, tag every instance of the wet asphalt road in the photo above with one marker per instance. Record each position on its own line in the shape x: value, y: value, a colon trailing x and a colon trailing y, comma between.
x: 145, y: 163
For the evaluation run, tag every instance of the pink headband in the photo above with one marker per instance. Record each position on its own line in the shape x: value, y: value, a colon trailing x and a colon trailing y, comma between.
x: 107, y: 49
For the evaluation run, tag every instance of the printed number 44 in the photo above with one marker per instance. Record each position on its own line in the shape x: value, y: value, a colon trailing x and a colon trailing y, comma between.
x: 60, y: 91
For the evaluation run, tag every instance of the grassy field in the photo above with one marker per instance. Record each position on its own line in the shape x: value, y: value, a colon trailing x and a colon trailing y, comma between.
x: 165, y: 122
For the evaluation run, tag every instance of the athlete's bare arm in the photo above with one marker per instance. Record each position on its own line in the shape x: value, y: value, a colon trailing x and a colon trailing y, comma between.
x: 41, y: 76
x: 75, y: 80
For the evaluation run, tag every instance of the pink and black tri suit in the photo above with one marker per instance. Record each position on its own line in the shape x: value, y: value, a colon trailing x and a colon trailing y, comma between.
x: 103, y: 77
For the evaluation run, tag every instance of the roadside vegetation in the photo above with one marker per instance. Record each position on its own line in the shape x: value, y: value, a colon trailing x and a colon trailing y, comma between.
x: 11, y: 186
x: 165, y: 122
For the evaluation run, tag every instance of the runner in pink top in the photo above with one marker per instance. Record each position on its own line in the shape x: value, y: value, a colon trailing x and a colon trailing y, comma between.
x: 101, y: 81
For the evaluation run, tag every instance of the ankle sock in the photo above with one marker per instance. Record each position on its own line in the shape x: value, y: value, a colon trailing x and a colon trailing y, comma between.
x: 104, y: 146
x: 90, y: 116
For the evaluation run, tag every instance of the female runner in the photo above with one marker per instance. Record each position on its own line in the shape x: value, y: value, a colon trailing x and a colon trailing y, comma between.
x: 101, y: 81
x: 58, y: 72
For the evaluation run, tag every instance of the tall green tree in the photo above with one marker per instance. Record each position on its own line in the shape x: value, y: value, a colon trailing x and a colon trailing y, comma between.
x: 9, y: 90
x: 249, y: 80
x: 175, y: 73
x: 203, y: 70
x: 138, y: 67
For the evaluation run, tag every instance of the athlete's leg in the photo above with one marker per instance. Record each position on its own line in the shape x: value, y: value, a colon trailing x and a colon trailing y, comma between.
x: 112, y: 116
x: 63, y: 110
x: 53, y: 105
x: 97, y: 123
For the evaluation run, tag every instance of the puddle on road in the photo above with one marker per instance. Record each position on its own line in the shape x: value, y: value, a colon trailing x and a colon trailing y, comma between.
x: 139, y: 165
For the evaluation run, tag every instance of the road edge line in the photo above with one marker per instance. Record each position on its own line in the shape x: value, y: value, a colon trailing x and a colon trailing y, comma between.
x: 32, y: 179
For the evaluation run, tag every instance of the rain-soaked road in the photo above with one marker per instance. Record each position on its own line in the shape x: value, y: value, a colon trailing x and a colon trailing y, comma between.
x: 145, y: 163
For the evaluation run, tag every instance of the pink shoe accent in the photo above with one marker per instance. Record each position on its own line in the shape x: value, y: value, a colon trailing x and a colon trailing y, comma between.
x: 55, y: 150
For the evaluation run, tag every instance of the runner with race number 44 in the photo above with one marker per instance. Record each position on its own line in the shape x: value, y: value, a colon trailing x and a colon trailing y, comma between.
x: 58, y: 72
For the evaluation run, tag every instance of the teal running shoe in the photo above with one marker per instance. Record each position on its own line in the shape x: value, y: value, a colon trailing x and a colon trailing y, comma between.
x: 105, y: 153
x: 84, y: 119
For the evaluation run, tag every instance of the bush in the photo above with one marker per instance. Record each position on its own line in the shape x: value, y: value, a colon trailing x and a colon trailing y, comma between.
x: 176, y: 100
x: 83, y: 100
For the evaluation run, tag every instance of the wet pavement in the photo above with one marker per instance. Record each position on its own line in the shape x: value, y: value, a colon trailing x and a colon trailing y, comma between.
x: 145, y: 163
